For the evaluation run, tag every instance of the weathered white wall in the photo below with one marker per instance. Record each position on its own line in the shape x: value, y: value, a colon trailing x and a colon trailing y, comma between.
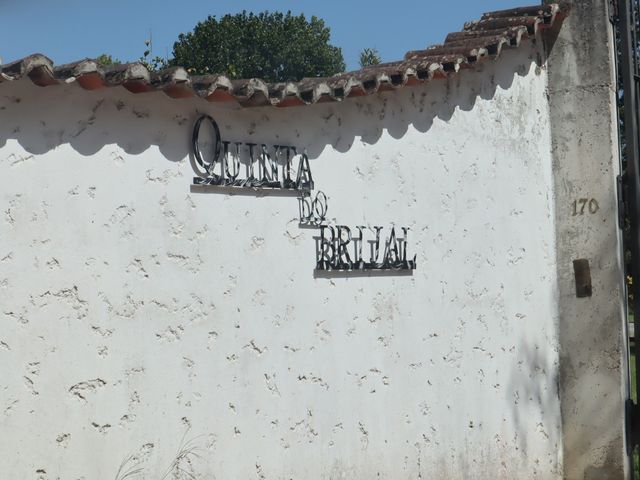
x: 134, y: 311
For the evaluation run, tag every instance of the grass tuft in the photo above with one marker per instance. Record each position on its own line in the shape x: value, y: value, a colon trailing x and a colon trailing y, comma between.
x: 127, y: 471
x: 130, y: 466
x: 186, y: 450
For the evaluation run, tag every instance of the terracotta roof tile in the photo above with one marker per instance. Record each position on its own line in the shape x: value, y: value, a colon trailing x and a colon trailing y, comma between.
x: 479, y: 40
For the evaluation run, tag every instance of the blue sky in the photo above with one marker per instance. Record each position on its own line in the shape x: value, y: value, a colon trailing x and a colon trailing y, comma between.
x: 68, y: 30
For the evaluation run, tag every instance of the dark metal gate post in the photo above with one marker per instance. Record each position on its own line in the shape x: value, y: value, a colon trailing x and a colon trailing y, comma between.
x: 628, y: 63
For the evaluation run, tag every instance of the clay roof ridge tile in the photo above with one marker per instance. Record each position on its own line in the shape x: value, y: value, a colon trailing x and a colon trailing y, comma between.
x: 479, y: 39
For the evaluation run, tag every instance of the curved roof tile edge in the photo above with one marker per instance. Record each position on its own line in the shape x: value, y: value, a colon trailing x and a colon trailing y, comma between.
x: 478, y: 41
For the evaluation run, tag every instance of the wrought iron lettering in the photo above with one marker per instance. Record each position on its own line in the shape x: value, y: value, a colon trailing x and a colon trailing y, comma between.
x: 313, y: 211
x: 258, y: 165
x: 265, y: 166
x: 338, y: 249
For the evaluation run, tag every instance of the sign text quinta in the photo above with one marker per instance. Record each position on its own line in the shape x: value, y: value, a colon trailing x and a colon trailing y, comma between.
x: 239, y: 164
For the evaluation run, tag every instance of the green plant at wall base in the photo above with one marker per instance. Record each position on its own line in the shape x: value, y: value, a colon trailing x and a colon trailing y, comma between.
x: 131, y: 468
x: 273, y: 46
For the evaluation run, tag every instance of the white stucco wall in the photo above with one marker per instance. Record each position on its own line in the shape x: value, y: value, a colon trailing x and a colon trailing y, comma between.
x: 135, y: 312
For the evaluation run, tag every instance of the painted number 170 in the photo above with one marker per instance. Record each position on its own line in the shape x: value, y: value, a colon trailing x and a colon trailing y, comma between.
x: 585, y: 205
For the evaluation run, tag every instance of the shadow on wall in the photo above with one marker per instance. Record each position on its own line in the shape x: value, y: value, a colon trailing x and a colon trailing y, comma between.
x: 43, y: 118
x: 535, y: 386
x: 534, y: 390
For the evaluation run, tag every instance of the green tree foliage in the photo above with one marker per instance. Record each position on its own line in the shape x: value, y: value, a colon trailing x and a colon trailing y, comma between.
x: 368, y: 57
x: 105, y: 60
x: 272, y: 46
